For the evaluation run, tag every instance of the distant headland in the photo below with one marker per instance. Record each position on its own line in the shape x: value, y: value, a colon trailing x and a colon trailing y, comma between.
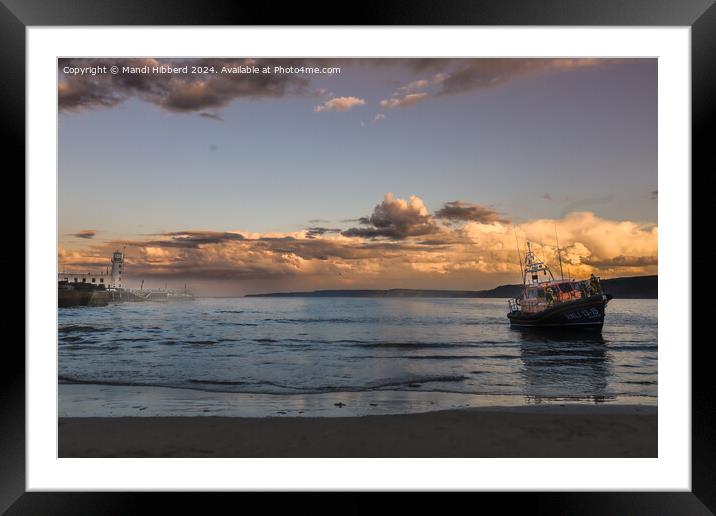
x: 635, y: 287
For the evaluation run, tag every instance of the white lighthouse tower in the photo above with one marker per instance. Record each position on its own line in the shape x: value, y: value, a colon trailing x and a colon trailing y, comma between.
x: 117, y: 266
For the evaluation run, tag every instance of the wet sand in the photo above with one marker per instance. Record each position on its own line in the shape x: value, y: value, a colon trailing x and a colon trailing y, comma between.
x: 534, y: 431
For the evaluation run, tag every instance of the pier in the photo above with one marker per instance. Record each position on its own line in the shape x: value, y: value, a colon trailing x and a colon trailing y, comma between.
x: 100, y: 289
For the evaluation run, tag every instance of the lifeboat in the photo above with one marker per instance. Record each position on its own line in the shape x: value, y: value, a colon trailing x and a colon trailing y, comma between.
x: 557, y: 303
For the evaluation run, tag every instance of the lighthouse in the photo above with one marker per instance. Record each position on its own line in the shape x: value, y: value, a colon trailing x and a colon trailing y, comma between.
x: 117, y: 266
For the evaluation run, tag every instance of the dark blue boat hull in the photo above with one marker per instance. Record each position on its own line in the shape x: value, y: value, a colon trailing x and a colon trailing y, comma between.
x: 585, y: 314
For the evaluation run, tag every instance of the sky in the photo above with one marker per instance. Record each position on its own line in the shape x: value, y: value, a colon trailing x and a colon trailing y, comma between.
x: 263, y: 175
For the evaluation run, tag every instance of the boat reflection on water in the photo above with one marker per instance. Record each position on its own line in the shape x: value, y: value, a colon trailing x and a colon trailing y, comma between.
x: 564, y: 366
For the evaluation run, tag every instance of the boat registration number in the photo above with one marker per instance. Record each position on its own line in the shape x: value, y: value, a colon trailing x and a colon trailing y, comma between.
x: 591, y: 313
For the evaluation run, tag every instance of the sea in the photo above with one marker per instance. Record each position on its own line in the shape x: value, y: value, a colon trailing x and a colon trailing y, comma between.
x: 259, y: 357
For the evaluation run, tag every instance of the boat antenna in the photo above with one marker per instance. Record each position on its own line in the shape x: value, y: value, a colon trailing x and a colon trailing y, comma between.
x: 519, y: 259
x: 559, y: 253
x: 519, y: 256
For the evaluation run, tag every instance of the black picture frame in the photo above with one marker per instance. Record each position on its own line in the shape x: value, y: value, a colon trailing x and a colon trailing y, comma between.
x: 700, y: 15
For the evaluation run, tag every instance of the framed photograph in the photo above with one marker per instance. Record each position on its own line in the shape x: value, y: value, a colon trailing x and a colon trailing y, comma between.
x: 419, y: 252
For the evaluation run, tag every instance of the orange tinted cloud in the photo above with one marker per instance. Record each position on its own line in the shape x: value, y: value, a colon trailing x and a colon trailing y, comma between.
x: 396, y: 219
x: 400, y: 244
x: 461, y: 76
x: 339, y: 104
x: 403, y: 100
x: 85, y: 234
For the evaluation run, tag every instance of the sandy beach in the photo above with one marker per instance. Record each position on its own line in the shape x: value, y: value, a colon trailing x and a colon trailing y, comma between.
x: 535, y: 431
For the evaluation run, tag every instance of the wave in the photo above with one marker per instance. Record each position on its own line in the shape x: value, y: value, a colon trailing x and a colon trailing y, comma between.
x: 88, y: 347
x: 319, y: 320
x: 201, y: 342
x: 647, y: 347
x: 422, y: 345
x: 384, y: 320
x: 192, y: 343
x: 260, y: 385
x: 420, y: 380
x: 428, y: 357
x: 412, y: 384
x: 79, y: 381
x: 218, y: 382
x: 407, y: 345
x: 71, y: 338
x: 70, y: 328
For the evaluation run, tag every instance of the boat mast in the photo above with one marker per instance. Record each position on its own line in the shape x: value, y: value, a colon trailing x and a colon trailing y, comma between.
x: 534, y: 266
x: 519, y: 256
x: 559, y: 253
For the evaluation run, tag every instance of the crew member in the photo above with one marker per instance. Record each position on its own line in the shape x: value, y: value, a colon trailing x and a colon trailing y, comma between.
x: 549, y: 294
x: 593, y: 286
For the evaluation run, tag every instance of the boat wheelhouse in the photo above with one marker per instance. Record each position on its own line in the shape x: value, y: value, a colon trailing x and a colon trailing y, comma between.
x: 556, y: 303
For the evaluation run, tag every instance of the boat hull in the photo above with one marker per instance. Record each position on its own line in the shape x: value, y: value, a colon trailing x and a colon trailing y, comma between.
x: 587, y: 314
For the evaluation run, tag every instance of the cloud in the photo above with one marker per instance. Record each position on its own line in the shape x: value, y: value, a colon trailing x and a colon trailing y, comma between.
x: 586, y: 203
x: 396, y: 219
x: 80, y: 94
x: 421, y: 84
x: 480, y: 74
x: 211, y: 116
x: 457, y: 76
x: 403, y: 100
x: 401, y: 244
x: 547, y: 196
x: 623, y: 261
x: 465, y: 211
x: 319, y: 231
x: 378, y: 118
x: 412, y: 93
x: 418, y: 85
x: 195, y: 93
x: 85, y: 233
x: 183, y: 93
x: 195, y: 239
x: 592, y: 244
x: 339, y: 104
